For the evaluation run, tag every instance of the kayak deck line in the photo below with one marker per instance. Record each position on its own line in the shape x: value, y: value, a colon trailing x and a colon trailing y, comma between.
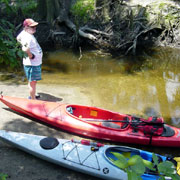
x: 82, y: 161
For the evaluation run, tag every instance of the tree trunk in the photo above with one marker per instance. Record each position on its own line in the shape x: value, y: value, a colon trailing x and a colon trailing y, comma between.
x: 49, y: 10
x: 41, y: 9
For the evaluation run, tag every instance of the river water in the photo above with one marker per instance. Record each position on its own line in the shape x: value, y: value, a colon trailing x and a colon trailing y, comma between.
x: 144, y: 86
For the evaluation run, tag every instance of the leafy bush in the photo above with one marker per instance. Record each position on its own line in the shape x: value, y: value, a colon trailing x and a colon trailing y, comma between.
x: 83, y: 9
x: 10, y: 7
x: 10, y: 50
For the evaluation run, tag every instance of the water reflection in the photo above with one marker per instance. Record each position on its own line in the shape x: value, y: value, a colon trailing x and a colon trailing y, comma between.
x: 172, y: 91
x: 144, y: 86
x: 172, y: 85
x: 176, y: 116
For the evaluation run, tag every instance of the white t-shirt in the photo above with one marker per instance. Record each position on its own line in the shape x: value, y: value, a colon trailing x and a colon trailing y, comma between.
x: 28, y: 40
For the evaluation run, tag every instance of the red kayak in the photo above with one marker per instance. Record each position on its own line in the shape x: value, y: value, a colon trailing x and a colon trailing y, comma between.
x: 98, y: 123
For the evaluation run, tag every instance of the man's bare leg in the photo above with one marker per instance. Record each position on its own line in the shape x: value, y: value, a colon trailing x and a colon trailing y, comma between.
x: 32, y: 89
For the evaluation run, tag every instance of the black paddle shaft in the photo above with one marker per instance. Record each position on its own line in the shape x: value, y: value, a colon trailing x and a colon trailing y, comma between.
x: 126, y: 121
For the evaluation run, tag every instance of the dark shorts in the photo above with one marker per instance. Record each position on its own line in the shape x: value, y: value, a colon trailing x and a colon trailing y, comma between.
x: 33, y: 73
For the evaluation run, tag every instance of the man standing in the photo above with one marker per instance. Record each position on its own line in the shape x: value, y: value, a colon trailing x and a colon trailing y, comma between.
x: 32, y: 63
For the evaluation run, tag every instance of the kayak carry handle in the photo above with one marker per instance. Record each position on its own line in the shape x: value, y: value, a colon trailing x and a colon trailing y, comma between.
x: 1, y: 93
x: 88, y: 143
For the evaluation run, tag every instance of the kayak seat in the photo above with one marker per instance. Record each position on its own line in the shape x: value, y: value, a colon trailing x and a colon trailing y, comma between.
x: 111, y: 125
x: 49, y: 143
x: 117, y: 126
x: 168, y: 131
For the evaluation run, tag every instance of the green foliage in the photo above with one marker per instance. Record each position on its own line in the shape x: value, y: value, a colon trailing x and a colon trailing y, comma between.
x: 121, y: 161
x: 12, y: 8
x: 135, y: 166
x: 164, y: 14
x: 162, y: 5
x: 3, y: 176
x: 10, y: 50
x: 27, y: 7
x: 7, y: 7
x: 83, y: 9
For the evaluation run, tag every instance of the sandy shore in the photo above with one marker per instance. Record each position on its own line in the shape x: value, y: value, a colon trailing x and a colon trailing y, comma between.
x: 19, y: 165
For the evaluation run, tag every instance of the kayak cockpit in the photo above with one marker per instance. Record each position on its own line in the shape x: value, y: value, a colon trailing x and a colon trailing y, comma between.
x: 153, y: 126
x: 99, y: 116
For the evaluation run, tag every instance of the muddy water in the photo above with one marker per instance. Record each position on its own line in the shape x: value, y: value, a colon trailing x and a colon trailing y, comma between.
x: 144, y: 86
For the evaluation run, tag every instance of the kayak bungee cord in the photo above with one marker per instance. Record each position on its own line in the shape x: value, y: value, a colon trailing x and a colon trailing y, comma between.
x: 91, y: 154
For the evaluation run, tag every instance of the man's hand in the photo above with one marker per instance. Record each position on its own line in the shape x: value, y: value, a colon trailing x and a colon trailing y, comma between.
x: 30, y: 55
